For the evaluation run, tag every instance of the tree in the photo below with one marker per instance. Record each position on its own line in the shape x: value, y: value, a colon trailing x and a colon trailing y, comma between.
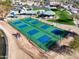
x: 75, y: 44
x: 7, y: 2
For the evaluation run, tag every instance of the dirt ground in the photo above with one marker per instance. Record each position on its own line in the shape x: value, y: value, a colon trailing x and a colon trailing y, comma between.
x: 22, y: 49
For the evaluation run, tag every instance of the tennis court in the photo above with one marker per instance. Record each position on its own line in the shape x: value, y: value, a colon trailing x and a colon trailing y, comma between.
x: 36, y: 31
x: 46, y: 28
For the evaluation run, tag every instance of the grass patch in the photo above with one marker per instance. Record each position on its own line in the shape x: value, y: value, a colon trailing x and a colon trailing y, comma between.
x: 64, y: 17
x: 62, y: 22
x: 7, y: 2
x: 37, y: 8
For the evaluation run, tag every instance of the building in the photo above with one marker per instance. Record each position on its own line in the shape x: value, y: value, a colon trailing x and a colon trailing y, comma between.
x: 47, y: 14
x: 14, y: 1
x: 62, y: 1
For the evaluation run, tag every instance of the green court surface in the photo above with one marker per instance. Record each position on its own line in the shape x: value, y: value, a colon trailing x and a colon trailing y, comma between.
x: 43, y: 35
x: 44, y: 27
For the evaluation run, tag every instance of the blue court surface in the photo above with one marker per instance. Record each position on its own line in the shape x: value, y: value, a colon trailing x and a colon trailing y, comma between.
x: 43, y: 35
